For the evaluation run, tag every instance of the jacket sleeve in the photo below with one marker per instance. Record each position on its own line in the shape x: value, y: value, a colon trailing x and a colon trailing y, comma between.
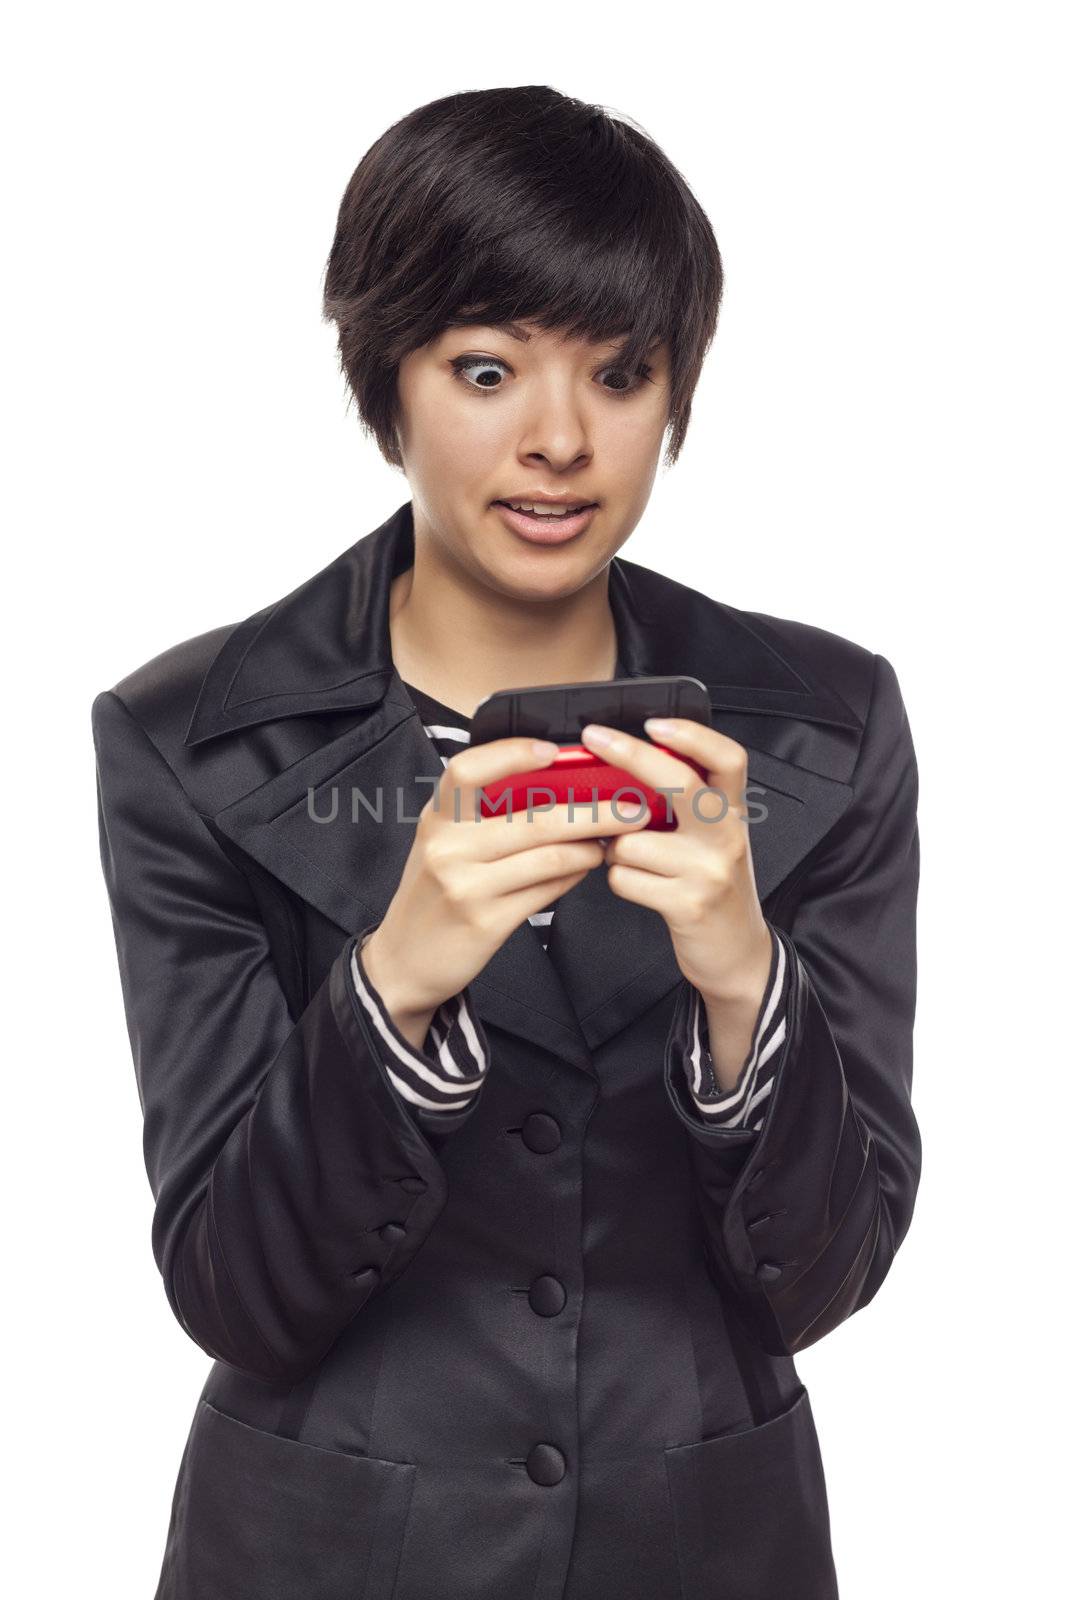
x: 802, y: 1222
x: 291, y: 1184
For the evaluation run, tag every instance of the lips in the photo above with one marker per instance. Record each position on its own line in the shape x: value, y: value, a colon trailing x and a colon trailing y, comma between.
x: 546, y: 529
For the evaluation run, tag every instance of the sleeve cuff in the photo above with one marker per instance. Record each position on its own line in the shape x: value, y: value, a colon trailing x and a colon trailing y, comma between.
x: 689, y: 1064
x: 441, y: 1081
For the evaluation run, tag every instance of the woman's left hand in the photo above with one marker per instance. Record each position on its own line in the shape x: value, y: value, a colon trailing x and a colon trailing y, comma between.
x: 700, y: 876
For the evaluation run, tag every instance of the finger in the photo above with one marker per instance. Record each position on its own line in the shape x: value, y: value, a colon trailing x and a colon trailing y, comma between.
x: 724, y: 760
x: 526, y: 828
x: 655, y: 768
x: 643, y: 888
x: 499, y: 758
x: 481, y: 764
x: 668, y: 855
x: 527, y: 868
x: 524, y: 902
x: 679, y: 853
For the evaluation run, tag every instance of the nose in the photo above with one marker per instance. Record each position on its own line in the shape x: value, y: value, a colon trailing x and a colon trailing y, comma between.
x: 556, y: 428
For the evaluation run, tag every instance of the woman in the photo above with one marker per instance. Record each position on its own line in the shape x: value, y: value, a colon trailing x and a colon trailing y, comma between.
x: 503, y: 1189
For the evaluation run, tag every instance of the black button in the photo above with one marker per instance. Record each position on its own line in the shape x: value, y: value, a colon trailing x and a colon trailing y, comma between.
x: 547, y: 1296
x: 546, y: 1464
x: 413, y: 1185
x: 390, y: 1232
x: 365, y: 1277
x: 541, y: 1132
x: 767, y: 1271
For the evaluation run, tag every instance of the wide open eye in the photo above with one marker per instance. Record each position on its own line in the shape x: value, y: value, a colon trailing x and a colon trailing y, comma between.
x: 481, y: 370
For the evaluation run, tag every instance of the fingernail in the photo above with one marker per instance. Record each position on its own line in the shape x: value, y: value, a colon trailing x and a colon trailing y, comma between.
x: 661, y: 725
x: 594, y: 734
x: 544, y: 748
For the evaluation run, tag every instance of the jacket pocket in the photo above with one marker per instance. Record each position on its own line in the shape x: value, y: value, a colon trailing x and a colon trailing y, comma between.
x: 751, y: 1520
x: 256, y: 1514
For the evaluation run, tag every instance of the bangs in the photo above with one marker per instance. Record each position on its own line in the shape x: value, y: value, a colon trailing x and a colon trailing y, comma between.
x: 559, y: 275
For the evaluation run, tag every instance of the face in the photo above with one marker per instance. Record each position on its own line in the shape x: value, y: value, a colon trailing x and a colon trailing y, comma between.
x: 487, y: 415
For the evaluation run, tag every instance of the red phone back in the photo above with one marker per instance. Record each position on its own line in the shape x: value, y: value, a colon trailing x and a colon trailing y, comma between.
x: 580, y: 775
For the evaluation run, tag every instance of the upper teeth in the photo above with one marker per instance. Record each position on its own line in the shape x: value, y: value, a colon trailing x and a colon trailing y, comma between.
x: 539, y: 508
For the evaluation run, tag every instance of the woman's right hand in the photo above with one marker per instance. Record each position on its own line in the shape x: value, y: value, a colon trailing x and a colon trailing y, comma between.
x: 468, y: 883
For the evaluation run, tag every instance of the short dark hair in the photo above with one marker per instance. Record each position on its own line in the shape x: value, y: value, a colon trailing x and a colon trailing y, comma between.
x: 518, y: 204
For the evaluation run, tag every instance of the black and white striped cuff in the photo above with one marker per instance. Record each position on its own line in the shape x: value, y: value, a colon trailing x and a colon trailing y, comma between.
x: 689, y: 1053
x: 447, y: 1074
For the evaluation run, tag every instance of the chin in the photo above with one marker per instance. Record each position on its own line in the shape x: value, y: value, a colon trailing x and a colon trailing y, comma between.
x: 542, y: 575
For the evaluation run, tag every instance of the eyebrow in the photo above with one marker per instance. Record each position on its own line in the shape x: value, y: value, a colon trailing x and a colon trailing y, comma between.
x: 515, y: 330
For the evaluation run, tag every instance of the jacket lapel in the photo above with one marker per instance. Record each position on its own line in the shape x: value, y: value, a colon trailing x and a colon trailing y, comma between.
x: 337, y: 827
x: 336, y: 824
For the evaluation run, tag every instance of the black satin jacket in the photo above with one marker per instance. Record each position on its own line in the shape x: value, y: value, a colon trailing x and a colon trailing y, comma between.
x: 545, y: 1353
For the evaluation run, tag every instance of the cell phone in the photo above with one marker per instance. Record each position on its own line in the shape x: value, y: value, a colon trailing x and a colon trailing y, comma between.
x: 559, y: 711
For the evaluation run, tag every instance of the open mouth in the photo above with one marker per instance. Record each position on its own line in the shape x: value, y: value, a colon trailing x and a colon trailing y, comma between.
x: 548, y: 513
x: 544, y: 525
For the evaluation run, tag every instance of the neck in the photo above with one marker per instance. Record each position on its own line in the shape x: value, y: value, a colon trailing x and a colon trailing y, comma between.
x: 460, y: 641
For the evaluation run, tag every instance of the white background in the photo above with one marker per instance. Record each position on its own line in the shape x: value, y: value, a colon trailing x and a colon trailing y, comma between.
x: 871, y: 451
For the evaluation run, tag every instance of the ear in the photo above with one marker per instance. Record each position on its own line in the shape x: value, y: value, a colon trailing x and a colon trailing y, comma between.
x: 393, y: 449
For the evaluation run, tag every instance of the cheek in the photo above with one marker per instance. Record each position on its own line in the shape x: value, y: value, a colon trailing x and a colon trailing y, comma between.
x: 436, y: 421
x: 631, y: 444
x: 456, y: 436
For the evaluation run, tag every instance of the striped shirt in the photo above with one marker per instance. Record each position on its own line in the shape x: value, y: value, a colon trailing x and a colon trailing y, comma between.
x: 444, y: 1076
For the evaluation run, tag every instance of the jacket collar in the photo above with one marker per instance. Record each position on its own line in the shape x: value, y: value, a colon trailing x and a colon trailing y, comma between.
x: 325, y: 648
